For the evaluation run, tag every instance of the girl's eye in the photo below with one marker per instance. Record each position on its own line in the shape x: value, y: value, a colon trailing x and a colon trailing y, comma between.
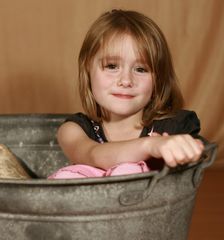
x: 141, y: 69
x: 111, y: 66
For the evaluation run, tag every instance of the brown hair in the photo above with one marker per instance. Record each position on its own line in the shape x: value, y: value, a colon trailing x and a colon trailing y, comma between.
x: 166, y: 97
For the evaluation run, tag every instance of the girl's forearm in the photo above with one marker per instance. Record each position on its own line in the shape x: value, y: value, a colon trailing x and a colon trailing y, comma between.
x: 110, y: 154
x: 177, y: 149
x: 79, y: 149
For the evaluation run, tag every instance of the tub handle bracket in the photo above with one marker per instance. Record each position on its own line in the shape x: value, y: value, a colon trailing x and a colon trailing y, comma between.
x: 128, y: 198
x: 207, y: 159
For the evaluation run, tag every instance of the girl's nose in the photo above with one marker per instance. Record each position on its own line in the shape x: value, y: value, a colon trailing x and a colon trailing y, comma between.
x: 125, y: 80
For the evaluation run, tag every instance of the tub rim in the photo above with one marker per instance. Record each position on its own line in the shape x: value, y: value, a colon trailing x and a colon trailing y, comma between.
x: 207, y: 159
x: 100, y: 180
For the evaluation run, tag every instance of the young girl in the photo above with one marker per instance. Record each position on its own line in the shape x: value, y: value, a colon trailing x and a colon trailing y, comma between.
x: 132, y: 103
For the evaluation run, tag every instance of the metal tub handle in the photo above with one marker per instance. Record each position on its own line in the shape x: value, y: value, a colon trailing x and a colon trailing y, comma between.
x: 208, y: 157
x: 136, y: 196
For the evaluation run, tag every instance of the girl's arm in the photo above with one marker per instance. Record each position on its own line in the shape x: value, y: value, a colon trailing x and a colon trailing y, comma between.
x: 80, y: 149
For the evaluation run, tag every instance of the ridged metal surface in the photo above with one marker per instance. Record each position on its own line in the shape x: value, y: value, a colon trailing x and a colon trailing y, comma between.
x: 154, y: 205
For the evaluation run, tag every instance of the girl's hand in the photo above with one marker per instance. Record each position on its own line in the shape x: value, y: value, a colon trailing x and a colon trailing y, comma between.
x: 175, y: 149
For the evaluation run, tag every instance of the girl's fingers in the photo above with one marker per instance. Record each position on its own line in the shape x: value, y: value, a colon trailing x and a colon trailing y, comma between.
x: 165, y: 134
x: 194, y: 148
x: 200, y: 144
x: 169, y: 158
x: 154, y: 134
x: 182, y: 149
x: 189, y: 151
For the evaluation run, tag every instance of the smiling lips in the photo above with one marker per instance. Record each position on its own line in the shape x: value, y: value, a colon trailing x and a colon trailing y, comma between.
x: 123, y: 96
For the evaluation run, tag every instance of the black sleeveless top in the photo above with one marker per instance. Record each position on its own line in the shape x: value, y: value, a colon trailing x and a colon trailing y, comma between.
x: 184, y: 122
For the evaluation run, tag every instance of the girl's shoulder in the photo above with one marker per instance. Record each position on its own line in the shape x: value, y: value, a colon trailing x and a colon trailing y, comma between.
x: 79, y: 118
x: 183, y: 122
x: 92, y: 129
x: 83, y: 121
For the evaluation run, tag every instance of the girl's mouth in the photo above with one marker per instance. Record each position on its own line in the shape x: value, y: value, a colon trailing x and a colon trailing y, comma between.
x: 123, y: 96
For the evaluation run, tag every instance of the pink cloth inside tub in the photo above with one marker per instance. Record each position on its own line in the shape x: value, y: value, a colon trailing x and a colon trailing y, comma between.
x: 85, y: 171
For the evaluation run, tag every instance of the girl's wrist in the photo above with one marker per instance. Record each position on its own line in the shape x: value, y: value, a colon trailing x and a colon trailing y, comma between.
x: 147, y: 146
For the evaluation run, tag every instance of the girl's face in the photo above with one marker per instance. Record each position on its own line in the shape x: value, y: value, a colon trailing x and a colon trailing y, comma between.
x: 121, y: 81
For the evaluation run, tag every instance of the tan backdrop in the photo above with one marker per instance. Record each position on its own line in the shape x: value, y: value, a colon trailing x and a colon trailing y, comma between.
x: 39, y: 45
x: 40, y: 41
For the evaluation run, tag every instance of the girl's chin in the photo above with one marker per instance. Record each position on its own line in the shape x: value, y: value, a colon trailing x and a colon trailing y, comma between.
x: 125, y: 114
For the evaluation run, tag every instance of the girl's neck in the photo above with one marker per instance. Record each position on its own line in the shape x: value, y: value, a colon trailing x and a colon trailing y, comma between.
x: 121, y: 129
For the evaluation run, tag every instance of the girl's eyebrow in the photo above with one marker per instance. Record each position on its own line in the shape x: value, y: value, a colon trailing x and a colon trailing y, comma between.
x: 108, y: 58
x: 118, y: 58
x: 141, y: 61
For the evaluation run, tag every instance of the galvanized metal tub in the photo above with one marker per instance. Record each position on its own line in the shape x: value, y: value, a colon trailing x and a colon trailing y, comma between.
x: 154, y: 205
